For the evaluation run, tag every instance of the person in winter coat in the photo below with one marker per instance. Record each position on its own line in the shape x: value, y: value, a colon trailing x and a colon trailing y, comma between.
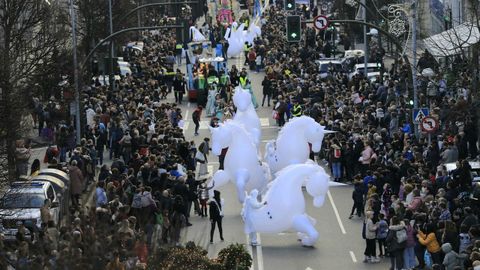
x: 393, y: 244
x: 429, y: 240
x: 451, y: 259
x: 357, y: 196
x: 409, y: 261
x: 22, y: 156
x: 77, y: 182
x: 382, y: 232
x: 370, y: 234
x: 216, y: 214
x: 336, y: 159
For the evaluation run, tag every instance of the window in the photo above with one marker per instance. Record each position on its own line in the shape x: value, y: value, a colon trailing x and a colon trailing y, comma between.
x: 50, y: 193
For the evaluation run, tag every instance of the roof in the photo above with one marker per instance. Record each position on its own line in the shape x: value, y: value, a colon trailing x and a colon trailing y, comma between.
x: 27, y: 187
x: 361, y: 66
x: 452, y: 41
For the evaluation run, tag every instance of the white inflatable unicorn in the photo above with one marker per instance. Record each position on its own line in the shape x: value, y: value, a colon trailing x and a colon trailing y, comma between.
x: 246, y: 114
x: 283, y: 206
x: 291, y: 145
x: 235, y: 41
x: 241, y: 165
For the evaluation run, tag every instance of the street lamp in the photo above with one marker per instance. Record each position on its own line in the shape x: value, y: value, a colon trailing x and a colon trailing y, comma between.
x: 75, y: 72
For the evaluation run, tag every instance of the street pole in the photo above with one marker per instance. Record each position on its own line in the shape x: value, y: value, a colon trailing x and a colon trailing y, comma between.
x: 365, y: 40
x: 112, y: 74
x: 414, y: 60
x: 138, y: 14
x: 75, y: 73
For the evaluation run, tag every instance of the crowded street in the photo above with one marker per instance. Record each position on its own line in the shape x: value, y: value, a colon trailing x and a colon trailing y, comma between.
x: 228, y: 135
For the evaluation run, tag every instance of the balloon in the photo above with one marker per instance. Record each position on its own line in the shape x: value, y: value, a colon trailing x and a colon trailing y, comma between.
x: 291, y: 146
x: 283, y: 206
x: 246, y: 114
x: 241, y: 165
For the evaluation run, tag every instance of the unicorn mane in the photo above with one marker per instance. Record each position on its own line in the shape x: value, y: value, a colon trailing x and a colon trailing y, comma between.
x: 238, y: 128
x: 303, y: 121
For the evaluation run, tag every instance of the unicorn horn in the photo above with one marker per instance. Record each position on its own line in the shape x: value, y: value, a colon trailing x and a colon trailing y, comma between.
x: 329, y: 131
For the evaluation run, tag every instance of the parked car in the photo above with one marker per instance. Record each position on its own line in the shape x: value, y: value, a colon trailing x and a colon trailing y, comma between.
x: 373, y: 69
x: 324, y: 64
x: 23, y: 200
x: 475, y: 169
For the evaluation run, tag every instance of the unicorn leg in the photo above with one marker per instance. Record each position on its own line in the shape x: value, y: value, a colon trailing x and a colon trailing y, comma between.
x: 303, y: 224
x: 241, y: 179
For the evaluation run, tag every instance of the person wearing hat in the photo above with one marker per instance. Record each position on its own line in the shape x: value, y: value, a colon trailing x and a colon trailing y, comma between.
x: 216, y: 214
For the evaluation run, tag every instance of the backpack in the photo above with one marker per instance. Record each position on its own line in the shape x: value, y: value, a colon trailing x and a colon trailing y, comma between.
x: 382, y: 230
x: 337, y: 153
x: 401, y: 236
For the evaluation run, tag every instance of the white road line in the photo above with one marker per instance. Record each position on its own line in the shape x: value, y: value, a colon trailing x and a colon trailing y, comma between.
x: 335, y: 210
x: 189, y: 104
x: 249, y: 249
x: 185, y: 126
x: 352, y: 255
x: 259, y: 253
x: 308, y: 268
x: 187, y: 113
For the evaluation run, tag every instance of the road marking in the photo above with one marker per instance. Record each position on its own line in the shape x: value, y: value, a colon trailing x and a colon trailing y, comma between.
x: 185, y: 126
x: 187, y: 113
x: 264, y: 122
x: 308, y: 268
x: 259, y: 253
x: 335, y: 210
x: 352, y: 255
x: 189, y: 104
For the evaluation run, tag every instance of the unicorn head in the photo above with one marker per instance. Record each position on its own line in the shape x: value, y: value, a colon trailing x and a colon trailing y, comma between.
x: 242, y: 99
x: 314, y: 134
x: 317, y: 187
x: 221, y: 138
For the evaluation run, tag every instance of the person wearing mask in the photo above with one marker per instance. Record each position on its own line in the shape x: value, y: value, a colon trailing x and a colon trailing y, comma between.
x: 216, y: 214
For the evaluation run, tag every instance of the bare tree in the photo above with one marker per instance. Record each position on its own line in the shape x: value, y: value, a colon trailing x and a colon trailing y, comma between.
x: 28, y: 39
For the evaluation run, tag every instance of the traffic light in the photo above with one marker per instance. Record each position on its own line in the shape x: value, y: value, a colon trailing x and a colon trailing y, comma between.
x: 289, y: 5
x: 294, y: 27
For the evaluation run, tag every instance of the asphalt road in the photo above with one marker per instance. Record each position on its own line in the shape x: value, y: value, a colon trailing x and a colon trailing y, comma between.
x: 340, y: 245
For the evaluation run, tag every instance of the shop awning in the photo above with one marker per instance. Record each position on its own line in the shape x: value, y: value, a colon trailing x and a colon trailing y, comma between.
x: 452, y: 41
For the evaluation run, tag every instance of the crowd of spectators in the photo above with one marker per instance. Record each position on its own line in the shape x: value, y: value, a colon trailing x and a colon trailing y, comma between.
x: 403, y: 180
x: 400, y: 177
x: 143, y: 197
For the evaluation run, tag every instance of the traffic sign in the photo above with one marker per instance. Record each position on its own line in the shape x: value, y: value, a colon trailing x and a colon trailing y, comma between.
x: 320, y: 22
x: 429, y: 124
x: 419, y: 114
